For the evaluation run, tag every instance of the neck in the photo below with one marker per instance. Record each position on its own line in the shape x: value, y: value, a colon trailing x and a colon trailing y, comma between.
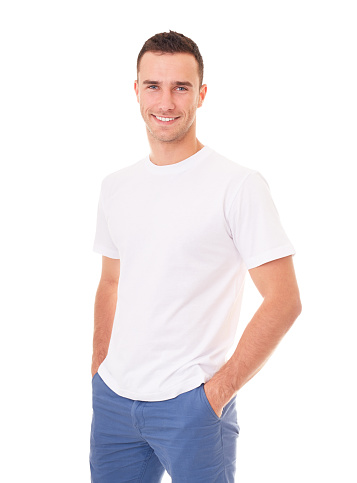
x: 163, y: 153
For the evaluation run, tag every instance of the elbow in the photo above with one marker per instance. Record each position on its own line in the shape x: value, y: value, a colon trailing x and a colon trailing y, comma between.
x: 291, y: 307
x: 285, y: 309
x: 295, y: 308
x: 298, y: 308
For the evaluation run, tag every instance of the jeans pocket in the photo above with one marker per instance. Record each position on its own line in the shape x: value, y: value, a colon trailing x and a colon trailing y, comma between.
x: 207, y: 403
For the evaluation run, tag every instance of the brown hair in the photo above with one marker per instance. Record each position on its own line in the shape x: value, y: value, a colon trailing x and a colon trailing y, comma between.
x: 172, y: 42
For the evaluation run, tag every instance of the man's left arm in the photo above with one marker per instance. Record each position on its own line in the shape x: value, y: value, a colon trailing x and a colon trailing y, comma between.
x: 276, y: 282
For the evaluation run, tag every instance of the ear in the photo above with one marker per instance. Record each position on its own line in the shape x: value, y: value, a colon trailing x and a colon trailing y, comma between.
x: 136, y: 88
x: 202, y: 95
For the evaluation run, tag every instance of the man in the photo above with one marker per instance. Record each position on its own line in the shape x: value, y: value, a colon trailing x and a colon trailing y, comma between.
x: 178, y: 231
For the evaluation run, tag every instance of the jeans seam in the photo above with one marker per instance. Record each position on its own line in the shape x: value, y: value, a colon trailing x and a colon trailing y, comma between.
x: 223, y: 455
x: 145, y: 464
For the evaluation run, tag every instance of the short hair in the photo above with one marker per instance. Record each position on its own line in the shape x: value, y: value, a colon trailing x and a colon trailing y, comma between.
x: 172, y: 42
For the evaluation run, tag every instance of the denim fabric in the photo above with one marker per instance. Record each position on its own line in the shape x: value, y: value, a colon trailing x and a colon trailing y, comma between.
x: 136, y: 441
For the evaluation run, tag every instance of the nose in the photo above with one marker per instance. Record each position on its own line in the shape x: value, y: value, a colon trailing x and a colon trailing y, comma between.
x: 166, y: 102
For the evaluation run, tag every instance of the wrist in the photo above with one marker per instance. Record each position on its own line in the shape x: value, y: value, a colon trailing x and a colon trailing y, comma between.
x: 98, y: 357
x: 96, y: 362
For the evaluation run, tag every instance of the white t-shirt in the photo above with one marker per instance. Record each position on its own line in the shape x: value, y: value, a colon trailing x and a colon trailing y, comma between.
x: 185, y: 233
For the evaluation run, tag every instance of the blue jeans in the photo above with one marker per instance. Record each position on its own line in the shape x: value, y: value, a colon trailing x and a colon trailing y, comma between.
x: 136, y: 441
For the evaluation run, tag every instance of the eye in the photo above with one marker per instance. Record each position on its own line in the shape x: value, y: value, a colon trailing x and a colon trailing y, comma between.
x: 153, y: 87
x: 181, y: 88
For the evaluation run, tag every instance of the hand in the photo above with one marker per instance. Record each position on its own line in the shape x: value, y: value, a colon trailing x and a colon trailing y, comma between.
x: 219, y: 392
x: 214, y: 398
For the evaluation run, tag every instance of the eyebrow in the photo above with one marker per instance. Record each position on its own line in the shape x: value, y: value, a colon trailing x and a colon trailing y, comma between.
x: 175, y: 83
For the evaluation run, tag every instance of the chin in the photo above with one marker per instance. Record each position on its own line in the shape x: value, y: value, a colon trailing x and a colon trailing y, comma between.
x: 165, y: 139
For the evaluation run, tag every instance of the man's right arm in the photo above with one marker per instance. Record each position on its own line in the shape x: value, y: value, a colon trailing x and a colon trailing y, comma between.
x: 104, y: 310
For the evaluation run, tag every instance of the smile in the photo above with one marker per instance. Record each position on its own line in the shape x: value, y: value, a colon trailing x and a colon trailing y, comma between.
x: 165, y: 119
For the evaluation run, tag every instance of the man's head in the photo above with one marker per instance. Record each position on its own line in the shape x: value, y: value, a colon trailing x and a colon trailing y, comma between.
x: 169, y: 86
x: 172, y: 43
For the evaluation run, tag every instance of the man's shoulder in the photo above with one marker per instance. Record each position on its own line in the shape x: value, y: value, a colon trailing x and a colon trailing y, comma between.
x: 122, y: 175
x: 229, y: 166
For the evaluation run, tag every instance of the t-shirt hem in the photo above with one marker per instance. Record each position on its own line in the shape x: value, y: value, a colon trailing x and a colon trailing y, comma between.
x: 184, y: 386
x: 269, y: 256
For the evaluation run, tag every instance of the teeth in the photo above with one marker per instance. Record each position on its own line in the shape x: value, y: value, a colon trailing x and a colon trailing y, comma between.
x: 165, y: 118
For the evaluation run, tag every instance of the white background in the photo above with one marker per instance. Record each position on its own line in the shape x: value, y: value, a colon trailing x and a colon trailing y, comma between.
x: 281, y: 99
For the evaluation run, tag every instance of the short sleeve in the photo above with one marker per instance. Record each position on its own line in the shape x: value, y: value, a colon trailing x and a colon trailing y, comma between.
x: 103, y: 242
x: 255, y: 224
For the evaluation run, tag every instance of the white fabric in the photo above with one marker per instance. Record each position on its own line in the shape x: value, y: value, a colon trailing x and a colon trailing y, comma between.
x: 185, y: 234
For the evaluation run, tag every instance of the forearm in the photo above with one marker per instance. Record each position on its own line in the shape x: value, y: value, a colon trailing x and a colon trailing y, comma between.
x: 104, y: 311
x: 260, y: 338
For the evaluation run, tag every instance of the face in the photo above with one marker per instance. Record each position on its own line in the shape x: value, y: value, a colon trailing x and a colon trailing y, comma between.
x: 168, y: 92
